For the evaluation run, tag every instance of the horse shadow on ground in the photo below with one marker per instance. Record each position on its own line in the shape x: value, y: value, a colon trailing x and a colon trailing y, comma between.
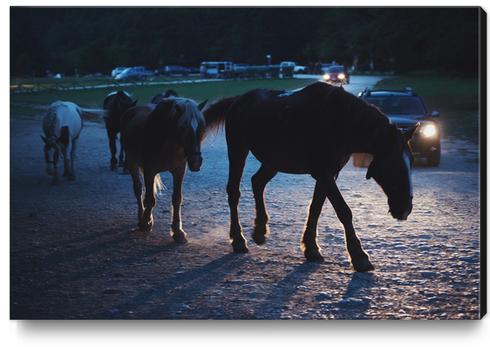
x: 96, y: 245
x: 355, y: 301
x: 168, y: 300
x: 272, y: 306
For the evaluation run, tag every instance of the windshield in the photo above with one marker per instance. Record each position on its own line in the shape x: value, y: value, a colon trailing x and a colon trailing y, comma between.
x: 336, y: 69
x: 398, y: 105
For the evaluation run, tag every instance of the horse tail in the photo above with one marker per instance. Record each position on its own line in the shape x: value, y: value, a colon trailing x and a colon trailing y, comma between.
x: 215, y: 114
x: 158, y: 185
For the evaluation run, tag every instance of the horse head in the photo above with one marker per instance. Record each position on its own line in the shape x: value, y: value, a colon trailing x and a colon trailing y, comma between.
x: 161, y: 96
x: 51, y: 153
x: 190, y: 130
x: 391, y: 168
x: 184, y: 120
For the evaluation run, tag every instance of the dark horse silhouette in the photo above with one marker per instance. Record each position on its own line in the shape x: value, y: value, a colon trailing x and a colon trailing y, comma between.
x: 160, y: 96
x: 159, y: 138
x: 116, y: 103
x: 313, y: 131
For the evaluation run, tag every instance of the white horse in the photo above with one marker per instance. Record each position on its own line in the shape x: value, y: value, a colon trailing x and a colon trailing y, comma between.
x: 62, y: 125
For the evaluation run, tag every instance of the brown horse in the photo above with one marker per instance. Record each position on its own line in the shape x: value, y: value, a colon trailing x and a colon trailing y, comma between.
x: 115, y: 104
x: 157, y: 138
x: 312, y: 131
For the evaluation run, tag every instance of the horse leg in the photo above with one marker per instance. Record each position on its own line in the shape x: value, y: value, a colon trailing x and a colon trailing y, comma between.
x: 55, y: 179
x: 359, y: 258
x: 178, y: 234
x: 146, y: 221
x: 71, y: 176
x: 138, y: 190
x: 236, y: 159
x: 259, y: 181
x: 66, y: 151
x: 308, y: 242
x: 112, y: 146
x: 121, y: 154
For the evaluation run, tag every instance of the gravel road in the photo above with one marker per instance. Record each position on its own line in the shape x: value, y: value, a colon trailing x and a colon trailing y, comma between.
x: 75, y: 253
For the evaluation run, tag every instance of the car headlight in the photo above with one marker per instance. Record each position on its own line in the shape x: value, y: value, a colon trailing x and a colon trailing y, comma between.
x: 326, y: 77
x: 341, y: 76
x: 428, y: 130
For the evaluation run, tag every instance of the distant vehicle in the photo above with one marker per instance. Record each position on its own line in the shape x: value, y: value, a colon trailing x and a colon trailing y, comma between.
x: 134, y: 73
x: 286, y: 69
x: 336, y: 74
x: 406, y: 109
x: 324, y: 67
x: 118, y: 70
x: 300, y: 69
x: 216, y: 69
x: 173, y: 70
x: 287, y: 64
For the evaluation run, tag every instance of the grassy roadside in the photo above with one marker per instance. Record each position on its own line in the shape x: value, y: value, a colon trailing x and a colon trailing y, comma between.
x: 93, y: 98
x: 455, y: 98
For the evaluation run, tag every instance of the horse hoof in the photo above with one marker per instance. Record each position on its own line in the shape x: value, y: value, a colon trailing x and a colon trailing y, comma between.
x: 54, y: 182
x: 145, y: 226
x: 179, y: 236
x: 239, y: 246
x: 71, y: 177
x: 260, y: 234
x: 314, y: 256
x: 363, y: 265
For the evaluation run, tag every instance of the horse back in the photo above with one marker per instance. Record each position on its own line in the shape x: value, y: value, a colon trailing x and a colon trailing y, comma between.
x: 68, y: 116
x: 133, y: 123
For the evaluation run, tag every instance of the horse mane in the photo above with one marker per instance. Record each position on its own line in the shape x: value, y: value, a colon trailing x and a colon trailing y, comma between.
x: 215, y: 114
x: 380, y: 134
x: 160, y: 96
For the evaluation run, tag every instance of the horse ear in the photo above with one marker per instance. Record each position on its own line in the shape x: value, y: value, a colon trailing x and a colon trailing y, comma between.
x: 43, y: 138
x: 369, y: 172
x: 202, y: 104
x: 409, y: 134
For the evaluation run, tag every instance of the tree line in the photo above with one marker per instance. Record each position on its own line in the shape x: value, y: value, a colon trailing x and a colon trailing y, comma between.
x: 89, y: 40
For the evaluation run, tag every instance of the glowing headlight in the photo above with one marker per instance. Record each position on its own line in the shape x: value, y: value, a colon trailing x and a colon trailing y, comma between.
x: 428, y: 130
x: 341, y: 76
x: 326, y: 77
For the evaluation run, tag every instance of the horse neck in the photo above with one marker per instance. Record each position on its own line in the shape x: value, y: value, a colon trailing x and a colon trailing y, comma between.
x: 371, y: 139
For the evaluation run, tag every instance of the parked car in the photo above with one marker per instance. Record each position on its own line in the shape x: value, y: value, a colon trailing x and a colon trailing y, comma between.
x: 286, y: 69
x: 300, y: 69
x: 324, y: 67
x: 336, y: 74
x: 216, y: 69
x: 118, y: 70
x: 407, y: 110
x: 134, y: 73
x: 173, y: 70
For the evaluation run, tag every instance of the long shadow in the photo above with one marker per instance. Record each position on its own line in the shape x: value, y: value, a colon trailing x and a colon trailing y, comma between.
x: 75, y: 240
x: 272, y: 305
x: 188, y: 284
x: 355, y: 302
x: 56, y: 258
x: 53, y: 262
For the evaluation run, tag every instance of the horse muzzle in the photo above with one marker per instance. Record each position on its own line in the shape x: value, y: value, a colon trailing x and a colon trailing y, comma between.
x: 194, y: 161
x: 401, y: 214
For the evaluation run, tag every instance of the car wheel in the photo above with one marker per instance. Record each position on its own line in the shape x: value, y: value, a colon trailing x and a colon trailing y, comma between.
x: 434, y: 158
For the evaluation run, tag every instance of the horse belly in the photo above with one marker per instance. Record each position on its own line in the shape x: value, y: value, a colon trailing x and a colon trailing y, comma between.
x: 282, y: 159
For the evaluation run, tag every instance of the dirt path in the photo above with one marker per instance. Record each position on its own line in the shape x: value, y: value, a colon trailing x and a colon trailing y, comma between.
x: 74, y: 254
